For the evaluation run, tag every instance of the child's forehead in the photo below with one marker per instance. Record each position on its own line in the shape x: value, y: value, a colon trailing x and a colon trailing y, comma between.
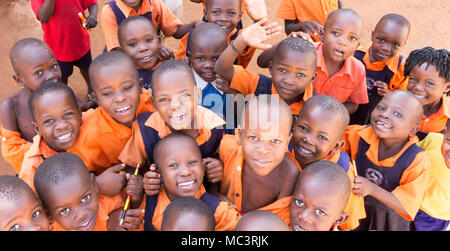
x: 172, y: 81
x: 345, y: 20
x: 223, y: 3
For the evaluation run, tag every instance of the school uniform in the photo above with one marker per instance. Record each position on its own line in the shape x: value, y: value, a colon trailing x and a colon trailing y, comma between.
x: 102, y: 139
x: 346, y: 85
x: 149, y: 128
x: 13, y: 148
x: 390, y: 72
x: 146, y: 76
x: 225, y: 215
x: 247, y: 82
x: 115, y: 11
x: 303, y: 10
x: 404, y: 175
x: 355, y: 205
x: 436, y: 121
x: 434, y: 213
x: 231, y: 184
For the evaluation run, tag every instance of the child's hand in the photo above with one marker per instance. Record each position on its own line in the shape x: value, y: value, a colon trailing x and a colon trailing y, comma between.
x: 91, y: 22
x: 224, y: 86
x: 112, y: 180
x: 152, y: 181
x: 382, y: 88
x: 135, y: 188
x: 362, y: 186
x: 133, y: 220
x: 214, y: 169
x: 257, y: 34
x: 311, y: 26
x: 165, y: 53
x: 303, y: 35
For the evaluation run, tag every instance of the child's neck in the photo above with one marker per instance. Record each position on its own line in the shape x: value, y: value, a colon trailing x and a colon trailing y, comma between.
x: 390, y: 147
x: 432, y: 108
x: 332, y: 66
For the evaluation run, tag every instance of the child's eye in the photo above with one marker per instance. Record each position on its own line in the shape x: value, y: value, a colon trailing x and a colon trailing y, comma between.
x: 36, y: 214
x: 253, y: 138
x: 215, y: 12
x: 300, y: 75
x: 127, y: 87
x: 303, y: 128
x: 162, y: 100
x: 54, y: 66
x: 380, y: 40
x: 48, y: 122
x: 201, y: 59
x: 335, y: 33
x: 68, y: 115
x: 38, y: 73
x: 15, y: 227
x: 352, y: 38
x: 299, y: 203
x: 276, y: 141
x: 395, y: 45
x: 64, y: 212
x: 380, y: 108
x: 86, y: 198
x: 281, y: 70
x: 132, y: 44
x: 319, y: 212
x: 429, y: 83
x: 231, y: 13
x: 192, y: 162
x: 106, y: 93
x: 173, y: 165
x: 322, y: 137
x: 186, y: 95
x: 149, y: 40
x: 397, y: 114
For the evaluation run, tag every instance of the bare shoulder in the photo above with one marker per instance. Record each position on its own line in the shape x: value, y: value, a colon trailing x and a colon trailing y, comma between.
x: 290, y: 168
x: 8, y: 112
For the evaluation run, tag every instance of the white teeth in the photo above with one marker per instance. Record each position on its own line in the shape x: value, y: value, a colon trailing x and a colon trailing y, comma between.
x: 304, y: 151
x: 123, y: 109
x: 297, y: 227
x: 383, y: 124
x: 420, y: 97
x: 185, y: 184
x: 65, y: 136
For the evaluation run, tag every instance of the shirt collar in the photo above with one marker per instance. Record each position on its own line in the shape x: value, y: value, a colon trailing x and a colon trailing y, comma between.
x: 145, y: 6
x: 201, y: 83
x: 391, y: 63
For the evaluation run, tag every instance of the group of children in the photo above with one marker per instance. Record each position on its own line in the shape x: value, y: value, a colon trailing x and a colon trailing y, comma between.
x: 339, y: 137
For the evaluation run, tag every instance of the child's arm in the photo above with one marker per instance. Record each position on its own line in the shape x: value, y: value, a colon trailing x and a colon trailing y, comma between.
x: 364, y: 187
x: 340, y: 4
x: 185, y: 28
x: 256, y: 9
x: 111, y: 181
x: 305, y: 26
x: 91, y: 20
x: 46, y: 11
x: 351, y: 107
x: 152, y: 181
x: 132, y: 220
x: 254, y: 36
x: 196, y: 1
x: 135, y: 189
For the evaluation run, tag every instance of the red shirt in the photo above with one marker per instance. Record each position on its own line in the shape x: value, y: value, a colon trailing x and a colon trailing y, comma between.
x: 64, y: 32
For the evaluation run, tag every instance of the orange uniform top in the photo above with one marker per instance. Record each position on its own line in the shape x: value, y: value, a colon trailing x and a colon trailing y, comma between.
x: 346, y: 85
x: 162, y: 18
x: 38, y: 151
x: 102, y: 139
x: 398, y: 81
x: 106, y: 205
x: 14, y: 148
x: 436, y: 121
x: 355, y: 204
x: 134, y: 151
x: 225, y: 215
x: 413, y: 182
x: 306, y: 10
x: 231, y: 185
x: 243, y: 59
x: 246, y: 83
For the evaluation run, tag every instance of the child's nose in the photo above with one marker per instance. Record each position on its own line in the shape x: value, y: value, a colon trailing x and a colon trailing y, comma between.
x: 119, y: 98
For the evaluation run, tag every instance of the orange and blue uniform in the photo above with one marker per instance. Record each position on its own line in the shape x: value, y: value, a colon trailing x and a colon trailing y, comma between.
x: 436, y: 121
x: 149, y: 128
x: 225, y: 215
x: 404, y: 175
x: 247, y: 83
x: 115, y: 11
x: 390, y: 72
x: 14, y: 148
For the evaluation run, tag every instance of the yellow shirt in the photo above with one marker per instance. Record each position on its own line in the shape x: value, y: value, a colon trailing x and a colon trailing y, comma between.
x: 436, y: 201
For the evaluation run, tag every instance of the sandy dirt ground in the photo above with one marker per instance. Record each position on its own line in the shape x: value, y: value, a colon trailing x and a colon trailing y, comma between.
x: 429, y: 21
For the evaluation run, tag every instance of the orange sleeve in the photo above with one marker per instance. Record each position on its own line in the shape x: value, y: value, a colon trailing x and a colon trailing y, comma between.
x: 14, y: 148
x: 355, y: 205
x: 164, y: 19
x: 245, y: 57
x: 134, y: 151
x: 413, y: 184
x: 399, y: 81
x: 226, y: 217
x: 351, y: 140
x: 359, y: 94
x: 109, y: 27
x: 286, y: 10
x: 244, y: 81
x: 182, y: 47
x: 29, y: 166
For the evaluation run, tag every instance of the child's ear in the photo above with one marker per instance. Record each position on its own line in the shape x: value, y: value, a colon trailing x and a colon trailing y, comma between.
x: 18, y: 79
x: 314, y: 76
x: 270, y: 67
x: 447, y: 88
x: 198, y: 97
x: 341, y: 220
x: 35, y: 127
x: 240, y: 136
x: 339, y: 144
x: 321, y: 34
x: 94, y: 182
x: 140, y: 84
x: 414, y: 130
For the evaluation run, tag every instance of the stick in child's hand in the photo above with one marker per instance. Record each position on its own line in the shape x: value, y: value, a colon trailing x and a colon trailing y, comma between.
x: 83, y: 20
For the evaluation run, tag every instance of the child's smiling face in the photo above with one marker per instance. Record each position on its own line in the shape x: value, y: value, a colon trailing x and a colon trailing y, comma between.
x: 225, y: 13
